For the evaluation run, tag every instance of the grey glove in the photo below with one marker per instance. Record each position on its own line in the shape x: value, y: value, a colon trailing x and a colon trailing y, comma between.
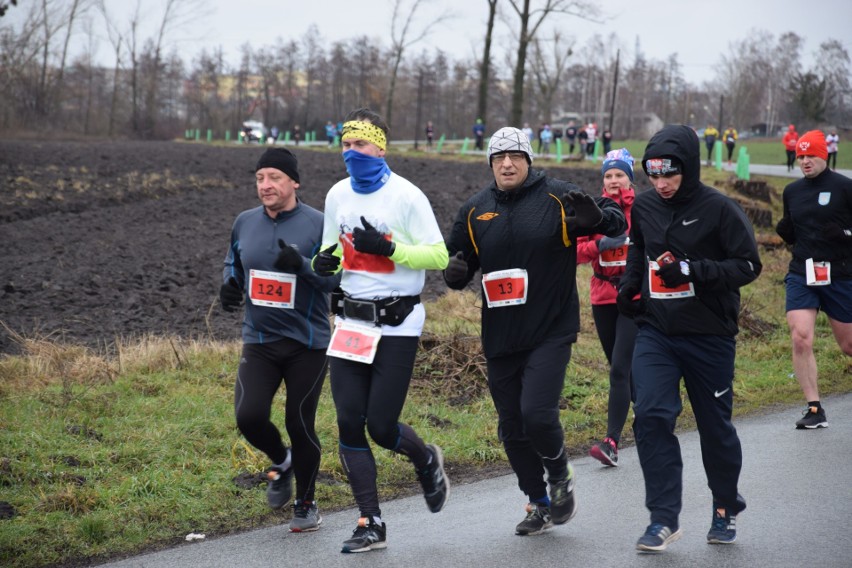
x: 609, y: 243
x: 457, y: 269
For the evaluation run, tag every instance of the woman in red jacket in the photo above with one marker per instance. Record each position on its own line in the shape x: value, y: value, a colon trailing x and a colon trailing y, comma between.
x: 789, y: 140
x: 617, y: 333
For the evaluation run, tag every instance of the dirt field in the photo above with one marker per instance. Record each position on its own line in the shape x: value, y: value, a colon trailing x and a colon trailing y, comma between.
x: 119, y: 238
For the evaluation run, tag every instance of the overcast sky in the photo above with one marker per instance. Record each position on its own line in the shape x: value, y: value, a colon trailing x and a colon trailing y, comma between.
x: 698, y: 30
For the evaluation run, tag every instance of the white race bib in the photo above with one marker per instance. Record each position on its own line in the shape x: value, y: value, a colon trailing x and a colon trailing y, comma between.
x: 659, y: 290
x: 354, y: 341
x: 272, y: 289
x: 505, y: 287
x: 817, y: 273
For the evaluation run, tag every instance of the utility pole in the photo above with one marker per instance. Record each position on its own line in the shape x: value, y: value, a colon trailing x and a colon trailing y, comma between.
x: 614, y: 90
x: 721, y: 113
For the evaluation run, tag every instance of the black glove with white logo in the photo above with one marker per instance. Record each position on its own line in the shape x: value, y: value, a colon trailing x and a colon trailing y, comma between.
x: 675, y: 273
x: 289, y: 259
x: 370, y: 241
x: 326, y: 263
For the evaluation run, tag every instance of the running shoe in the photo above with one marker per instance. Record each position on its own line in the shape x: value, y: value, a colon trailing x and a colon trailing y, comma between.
x: 537, y: 521
x: 433, y: 479
x: 812, y: 417
x: 279, y: 486
x: 605, y: 452
x: 306, y: 517
x: 723, y: 529
x: 367, y: 536
x: 563, y: 504
x: 657, y: 538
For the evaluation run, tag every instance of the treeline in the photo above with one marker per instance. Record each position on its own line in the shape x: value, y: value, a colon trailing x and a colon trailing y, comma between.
x: 152, y: 90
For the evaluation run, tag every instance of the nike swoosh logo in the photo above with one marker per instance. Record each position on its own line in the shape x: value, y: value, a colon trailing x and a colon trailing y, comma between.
x: 685, y: 222
x: 717, y: 394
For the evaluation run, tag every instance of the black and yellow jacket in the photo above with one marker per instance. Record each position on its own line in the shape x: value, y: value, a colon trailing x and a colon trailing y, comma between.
x: 525, y: 228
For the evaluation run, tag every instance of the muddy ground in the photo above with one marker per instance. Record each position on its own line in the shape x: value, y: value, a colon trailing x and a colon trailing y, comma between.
x: 116, y: 239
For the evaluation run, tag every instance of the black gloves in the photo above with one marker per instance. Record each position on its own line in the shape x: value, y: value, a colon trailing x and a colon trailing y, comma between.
x: 609, y: 243
x: 626, y: 304
x: 325, y: 263
x: 834, y: 232
x: 370, y: 241
x: 289, y: 259
x: 587, y: 214
x: 230, y: 295
x: 456, y: 271
x: 785, y: 230
x: 675, y: 273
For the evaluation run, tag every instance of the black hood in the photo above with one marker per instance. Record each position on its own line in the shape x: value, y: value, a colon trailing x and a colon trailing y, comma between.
x: 681, y: 142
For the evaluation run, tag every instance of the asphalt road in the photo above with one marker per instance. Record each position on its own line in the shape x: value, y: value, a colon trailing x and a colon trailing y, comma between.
x: 798, y: 485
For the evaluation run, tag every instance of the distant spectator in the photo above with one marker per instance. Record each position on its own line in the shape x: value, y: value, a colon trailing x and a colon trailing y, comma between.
x: 831, y: 143
x: 592, y: 133
x: 710, y: 136
x: 430, y: 134
x: 570, y: 136
x: 330, y: 133
x: 583, y: 137
x: 606, y: 137
x: 730, y: 137
x: 545, y: 137
x: 789, y: 141
x: 528, y: 131
x: 297, y: 134
x: 557, y: 135
x: 479, y: 134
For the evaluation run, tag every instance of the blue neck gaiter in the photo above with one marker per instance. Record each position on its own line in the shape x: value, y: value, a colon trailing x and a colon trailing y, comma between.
x: 367, y: 173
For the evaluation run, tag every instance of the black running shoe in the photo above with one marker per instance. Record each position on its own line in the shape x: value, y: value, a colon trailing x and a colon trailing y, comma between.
x: 537, y: 521
x: 433, y: 479
x: 279, y: 486
x: 367, y: 536
x: 723, y: 529
x: 812, y: 417
x: 563, y: 503
x: 657, y: 538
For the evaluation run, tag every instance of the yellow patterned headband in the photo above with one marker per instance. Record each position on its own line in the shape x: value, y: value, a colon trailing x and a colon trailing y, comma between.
x: 364, y: 131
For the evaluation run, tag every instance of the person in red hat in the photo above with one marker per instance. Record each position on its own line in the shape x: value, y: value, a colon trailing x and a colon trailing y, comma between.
x: 817, y: 222
x: 789, y: 141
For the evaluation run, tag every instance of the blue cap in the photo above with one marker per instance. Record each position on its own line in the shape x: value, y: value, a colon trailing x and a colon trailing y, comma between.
x: 620, y: 159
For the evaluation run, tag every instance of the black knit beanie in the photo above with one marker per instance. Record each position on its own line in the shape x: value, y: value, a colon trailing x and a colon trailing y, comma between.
x: 280, y: 159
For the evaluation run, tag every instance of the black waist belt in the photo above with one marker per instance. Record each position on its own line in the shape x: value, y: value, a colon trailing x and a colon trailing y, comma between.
x: 614, y: 280
x: 386, y: 311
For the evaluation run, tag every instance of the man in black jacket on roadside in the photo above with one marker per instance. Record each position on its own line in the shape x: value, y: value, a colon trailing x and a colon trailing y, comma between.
x: 521, y: 232
x: 692, y: 249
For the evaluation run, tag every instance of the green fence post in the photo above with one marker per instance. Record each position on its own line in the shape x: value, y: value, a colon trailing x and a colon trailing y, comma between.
x: 227, y: 136
x: 287, y: 136
x: 197, y: 134
x: 559, y: 149
x: 718, y: 149
x: 597, y: 150
x: 209, y: 135
x: 464, y: 145
x: 441, y: 143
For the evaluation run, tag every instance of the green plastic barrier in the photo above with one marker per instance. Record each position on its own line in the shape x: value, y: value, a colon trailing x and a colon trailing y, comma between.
x: 441, y: 143
x: 465, y: 145
x: 209, y: 135
x: 597, y: 151
x: 197, y: 134
x: 287, y: 136
x: 718, y: 161
x: 227, y: 136
x: 743, y: 162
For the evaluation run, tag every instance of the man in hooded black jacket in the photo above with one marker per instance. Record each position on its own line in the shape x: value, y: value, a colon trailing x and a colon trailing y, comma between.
x: 520, y: 232
x: 686, y: 306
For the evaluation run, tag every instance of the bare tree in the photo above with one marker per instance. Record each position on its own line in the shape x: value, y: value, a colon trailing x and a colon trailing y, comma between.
x: 485, y: 64
x: 403, y: 37
x: 832, y: 64
x: 548, y: 70
x: 530, y: 22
